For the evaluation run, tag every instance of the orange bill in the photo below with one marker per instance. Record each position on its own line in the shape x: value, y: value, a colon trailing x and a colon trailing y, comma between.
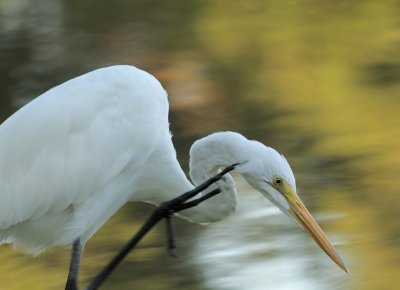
x: 303, y: 216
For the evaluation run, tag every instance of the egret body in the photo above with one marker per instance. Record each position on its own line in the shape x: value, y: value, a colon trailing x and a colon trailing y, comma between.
x: 76, y: 154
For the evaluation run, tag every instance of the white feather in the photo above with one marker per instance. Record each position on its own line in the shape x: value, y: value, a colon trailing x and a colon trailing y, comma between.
x: 67, y: 148
x: 72, y: 157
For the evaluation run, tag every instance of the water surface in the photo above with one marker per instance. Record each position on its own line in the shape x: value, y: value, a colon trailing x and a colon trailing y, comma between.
x: 319, y: 81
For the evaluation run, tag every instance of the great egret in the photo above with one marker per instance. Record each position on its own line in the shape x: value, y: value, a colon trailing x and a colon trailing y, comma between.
x: 73, y: 156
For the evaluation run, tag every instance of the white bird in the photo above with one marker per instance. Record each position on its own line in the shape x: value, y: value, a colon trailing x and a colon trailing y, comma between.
x: 76, y: 154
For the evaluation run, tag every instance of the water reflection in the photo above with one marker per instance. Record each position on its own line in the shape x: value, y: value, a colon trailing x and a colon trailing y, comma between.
x: 319, y: 81
x: 259, y: 247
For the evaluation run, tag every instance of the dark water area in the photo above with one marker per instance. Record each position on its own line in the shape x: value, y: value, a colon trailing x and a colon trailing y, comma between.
x: 318, y: 81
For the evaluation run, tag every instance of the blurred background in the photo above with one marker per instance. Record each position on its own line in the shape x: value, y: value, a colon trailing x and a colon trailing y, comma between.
x: 317, y: 80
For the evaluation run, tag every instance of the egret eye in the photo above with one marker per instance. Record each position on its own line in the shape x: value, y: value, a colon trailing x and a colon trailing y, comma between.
x: 278, y: 181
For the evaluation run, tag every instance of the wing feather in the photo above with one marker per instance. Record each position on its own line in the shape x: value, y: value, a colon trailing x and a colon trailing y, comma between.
x: 65, y: 145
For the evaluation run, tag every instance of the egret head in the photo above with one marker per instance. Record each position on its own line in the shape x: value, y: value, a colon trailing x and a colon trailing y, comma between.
x: 269, y: 172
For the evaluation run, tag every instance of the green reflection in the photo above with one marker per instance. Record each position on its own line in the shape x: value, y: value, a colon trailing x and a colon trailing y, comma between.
x: 319, y: 81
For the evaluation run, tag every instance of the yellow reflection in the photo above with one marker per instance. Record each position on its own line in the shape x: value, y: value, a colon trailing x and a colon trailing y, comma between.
x: 337, y: 68
x: 333, y: 64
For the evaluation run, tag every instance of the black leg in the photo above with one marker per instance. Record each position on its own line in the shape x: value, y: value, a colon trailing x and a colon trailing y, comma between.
x: 163, y: 211
x: 170, y: 236
x: 157, y: 215
x: 192, y: 193
x: 196, y: 201
x: 72, y: 280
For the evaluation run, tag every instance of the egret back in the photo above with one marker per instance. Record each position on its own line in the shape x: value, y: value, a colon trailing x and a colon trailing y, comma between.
x: 67, y: 145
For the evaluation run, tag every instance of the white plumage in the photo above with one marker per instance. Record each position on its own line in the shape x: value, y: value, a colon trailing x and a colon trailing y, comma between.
x: 73, y: 156
x: 64, y: 154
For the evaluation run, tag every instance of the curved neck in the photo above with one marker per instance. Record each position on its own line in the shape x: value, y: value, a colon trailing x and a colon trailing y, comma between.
x: 214, y: 151
x: 207, y: 156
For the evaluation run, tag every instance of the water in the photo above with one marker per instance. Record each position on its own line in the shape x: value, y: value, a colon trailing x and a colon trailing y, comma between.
x: 318, y: 81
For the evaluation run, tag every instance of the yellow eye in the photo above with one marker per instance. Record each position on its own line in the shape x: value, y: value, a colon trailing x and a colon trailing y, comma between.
x: 278, y: 181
